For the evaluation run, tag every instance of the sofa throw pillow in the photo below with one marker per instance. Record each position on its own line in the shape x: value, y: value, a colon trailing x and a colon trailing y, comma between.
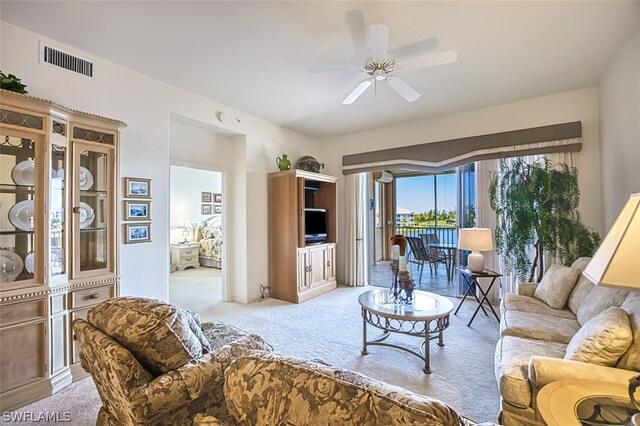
x: 556, y: 286
x: 158, y: 334
x: 603, y: 339
x: 631, y: 359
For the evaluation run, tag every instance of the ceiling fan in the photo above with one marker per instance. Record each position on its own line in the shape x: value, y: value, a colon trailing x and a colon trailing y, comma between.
x: 382, y: 67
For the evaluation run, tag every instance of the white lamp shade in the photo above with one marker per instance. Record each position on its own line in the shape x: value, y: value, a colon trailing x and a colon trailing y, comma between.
x: 617, y: 261
x: 475, y: 239
x: 184, y: 223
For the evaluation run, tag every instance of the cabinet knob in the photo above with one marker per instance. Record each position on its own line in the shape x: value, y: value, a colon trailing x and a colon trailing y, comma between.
x: 328, y: 263
x: 94, y: 296
x: 76, y: 210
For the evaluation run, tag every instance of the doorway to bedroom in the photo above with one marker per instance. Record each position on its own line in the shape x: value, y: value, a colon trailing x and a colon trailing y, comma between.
x: 196, y: 242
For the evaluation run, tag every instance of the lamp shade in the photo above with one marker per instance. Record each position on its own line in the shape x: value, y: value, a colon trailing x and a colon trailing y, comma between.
x: 617, y: 261
x: 184, y: 223
x: 475, y: 239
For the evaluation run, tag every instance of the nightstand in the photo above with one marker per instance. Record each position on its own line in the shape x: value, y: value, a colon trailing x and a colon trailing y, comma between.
x: 184, y: 255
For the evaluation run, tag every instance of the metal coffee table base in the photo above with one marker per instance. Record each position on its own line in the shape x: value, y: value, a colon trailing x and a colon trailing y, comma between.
x: 429, y: 330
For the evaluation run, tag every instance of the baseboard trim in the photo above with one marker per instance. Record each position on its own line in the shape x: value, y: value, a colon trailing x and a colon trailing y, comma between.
x: 24, y: 395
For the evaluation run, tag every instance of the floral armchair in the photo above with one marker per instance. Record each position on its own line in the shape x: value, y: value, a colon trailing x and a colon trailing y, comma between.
x: 269, y: 389
x: 154, y: 363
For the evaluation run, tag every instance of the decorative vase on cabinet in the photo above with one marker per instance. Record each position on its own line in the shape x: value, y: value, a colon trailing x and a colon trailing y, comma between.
x: 58, y: 255
x: 283, y: 163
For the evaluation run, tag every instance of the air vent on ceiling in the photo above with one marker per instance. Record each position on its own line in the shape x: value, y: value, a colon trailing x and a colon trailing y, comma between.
x: 64, y: 60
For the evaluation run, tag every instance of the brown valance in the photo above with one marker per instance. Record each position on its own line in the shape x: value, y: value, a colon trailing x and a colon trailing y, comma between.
x: 444, y: 155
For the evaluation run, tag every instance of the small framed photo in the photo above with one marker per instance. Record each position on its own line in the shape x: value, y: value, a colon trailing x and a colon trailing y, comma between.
x: 217, y: 198
x: 206, y: 197
x: 137, y: 210
x: 217, y: 209
x: 137, y: 188
x: 137, y: 233
x: 206, y: 209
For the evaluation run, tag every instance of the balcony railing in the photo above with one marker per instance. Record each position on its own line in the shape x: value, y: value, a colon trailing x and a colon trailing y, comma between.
x: 446, y: 235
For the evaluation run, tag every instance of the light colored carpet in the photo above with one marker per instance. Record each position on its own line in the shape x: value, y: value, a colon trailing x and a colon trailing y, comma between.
x: 197, y: 288
x: 330, y: 328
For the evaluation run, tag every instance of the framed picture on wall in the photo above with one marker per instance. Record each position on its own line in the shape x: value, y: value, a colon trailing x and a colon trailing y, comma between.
x: 205, y: 209
x: 137, y: 187
x: 217, y: 198
x: 137, y: 210
x: 217, y: 209
x: 206, y: 197
x: 137, y: 233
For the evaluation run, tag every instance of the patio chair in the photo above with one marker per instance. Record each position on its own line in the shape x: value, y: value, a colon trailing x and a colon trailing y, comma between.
x: 422, y: 254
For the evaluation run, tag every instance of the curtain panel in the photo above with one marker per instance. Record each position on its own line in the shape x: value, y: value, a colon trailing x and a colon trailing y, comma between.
x: 357, y: 244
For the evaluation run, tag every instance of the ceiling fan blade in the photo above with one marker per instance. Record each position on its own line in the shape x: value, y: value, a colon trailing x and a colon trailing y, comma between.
x: 420, y: 47
x: 379, y: 39
x: 357, y: 92
x: 403, y: 89
x: 430, y: 60
x: 332, y: 70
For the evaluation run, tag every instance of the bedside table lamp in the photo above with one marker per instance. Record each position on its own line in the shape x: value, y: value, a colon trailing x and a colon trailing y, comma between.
x: 617, y: 264
x: 185, y: 225
x: 476, y: 240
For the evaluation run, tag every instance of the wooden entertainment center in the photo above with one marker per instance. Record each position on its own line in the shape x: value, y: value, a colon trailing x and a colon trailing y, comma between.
x: 300, y: 270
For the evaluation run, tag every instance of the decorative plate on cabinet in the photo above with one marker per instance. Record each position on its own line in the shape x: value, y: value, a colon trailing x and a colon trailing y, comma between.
x: 86, y: 179
x: 22, y: 214
x: 87, y: 215
x: 10, y: 266
x: 24, y: 173
x: 29, y: 262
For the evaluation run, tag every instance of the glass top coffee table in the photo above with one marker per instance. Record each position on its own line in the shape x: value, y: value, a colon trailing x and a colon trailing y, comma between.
x: 426, y: 317
x: 585, y: 403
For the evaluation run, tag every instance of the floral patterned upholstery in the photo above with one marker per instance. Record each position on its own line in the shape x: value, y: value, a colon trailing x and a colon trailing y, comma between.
x: 268, y: 389
x: 170, y: 340
x: 133, y: 395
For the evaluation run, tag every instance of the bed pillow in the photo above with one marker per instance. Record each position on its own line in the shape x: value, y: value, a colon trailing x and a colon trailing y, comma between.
x: 603, y: 339
x: 556, y: 286
x: 211, y: 227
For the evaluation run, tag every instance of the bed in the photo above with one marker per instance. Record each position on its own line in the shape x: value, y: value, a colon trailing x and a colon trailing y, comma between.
x: 210, y: 244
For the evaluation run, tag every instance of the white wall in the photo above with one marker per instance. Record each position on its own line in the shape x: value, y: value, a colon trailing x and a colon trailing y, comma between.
x: 579, y: 105
x: 187, y: 185
x: 619, y: 91
x: 146, y: 105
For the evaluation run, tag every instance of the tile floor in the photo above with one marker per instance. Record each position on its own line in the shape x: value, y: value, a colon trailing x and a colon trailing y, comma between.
x: 381, y: 276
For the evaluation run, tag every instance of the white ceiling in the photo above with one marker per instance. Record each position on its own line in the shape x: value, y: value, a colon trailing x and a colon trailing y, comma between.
x: 254, y: 56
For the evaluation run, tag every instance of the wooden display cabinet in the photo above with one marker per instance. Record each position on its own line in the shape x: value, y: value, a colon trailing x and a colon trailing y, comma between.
x: 58, y: 238
x: 300, y: 270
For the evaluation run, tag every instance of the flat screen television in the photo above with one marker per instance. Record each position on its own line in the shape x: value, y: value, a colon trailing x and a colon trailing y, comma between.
x: 315, y: 225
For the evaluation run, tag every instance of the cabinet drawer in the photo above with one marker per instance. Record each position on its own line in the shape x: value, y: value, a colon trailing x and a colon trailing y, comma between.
x: 192, y: 252
x: 22, y: 311
x: 191, y: 260
x: 91, y: 296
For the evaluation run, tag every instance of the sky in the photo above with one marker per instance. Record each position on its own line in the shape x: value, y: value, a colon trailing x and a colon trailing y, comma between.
x: 416, y: 193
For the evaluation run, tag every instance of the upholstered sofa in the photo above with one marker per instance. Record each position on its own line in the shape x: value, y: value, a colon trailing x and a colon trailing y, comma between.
x: 154, y: 363
x: 537, y: 344
x: 268, y: 389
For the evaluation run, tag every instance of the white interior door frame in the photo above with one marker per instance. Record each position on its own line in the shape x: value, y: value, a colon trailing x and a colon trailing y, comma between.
x: 227, y: 196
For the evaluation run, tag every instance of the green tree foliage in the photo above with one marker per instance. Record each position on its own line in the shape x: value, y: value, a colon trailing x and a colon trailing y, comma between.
x: 536, y: 206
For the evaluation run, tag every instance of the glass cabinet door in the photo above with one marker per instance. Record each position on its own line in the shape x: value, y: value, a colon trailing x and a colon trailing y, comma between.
x: 20, y: 187
x: 92, y: 209
x: 56, y: 207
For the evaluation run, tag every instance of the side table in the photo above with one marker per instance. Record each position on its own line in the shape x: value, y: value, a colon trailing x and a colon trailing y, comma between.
x: 581, y: 402
x: 184, y: 255
x: 471, y: 278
